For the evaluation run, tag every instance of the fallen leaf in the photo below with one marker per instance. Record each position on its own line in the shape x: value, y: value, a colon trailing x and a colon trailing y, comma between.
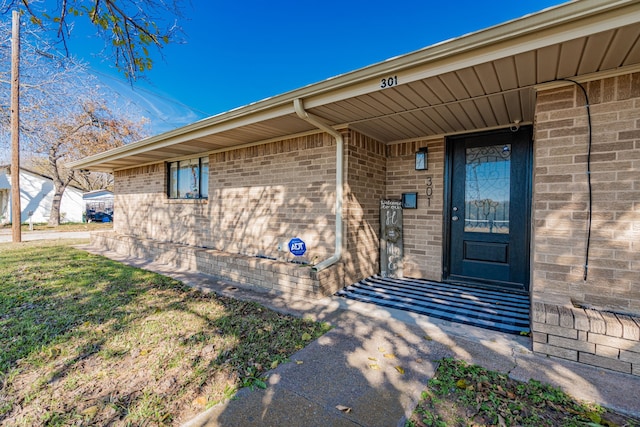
x: 382, y: 350
x: 306, y: 336
x: 373, y: 358
x: 400, y: 369
x: 419, y: 360
x: 428, y: 338
x: 143, y: 352
x: 91, y: 411
x: 299, y: 362
x: 274, y: 364
x: 200, y: 401
x: 374, y: 366
x: 461, y: 384
x: 390, y: 356
x: 343, y: 408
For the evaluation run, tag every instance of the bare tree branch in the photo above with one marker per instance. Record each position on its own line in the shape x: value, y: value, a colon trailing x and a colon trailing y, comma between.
x: 128, y: 27
x: 65, y: 113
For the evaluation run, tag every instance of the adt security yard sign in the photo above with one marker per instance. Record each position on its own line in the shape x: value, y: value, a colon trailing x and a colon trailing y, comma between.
x: 297, y: 246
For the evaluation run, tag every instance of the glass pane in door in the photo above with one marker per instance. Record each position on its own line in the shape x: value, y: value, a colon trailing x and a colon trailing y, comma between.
x: 487, y: 189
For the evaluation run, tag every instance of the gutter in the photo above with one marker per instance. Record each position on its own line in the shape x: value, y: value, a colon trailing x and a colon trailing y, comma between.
x: 320, y: 124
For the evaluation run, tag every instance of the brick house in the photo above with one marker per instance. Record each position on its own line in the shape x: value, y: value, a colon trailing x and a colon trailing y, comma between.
x: 516, y: 148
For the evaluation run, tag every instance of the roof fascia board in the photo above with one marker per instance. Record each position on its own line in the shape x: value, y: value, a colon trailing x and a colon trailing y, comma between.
x: 180, y: 135
x: 219, y: 150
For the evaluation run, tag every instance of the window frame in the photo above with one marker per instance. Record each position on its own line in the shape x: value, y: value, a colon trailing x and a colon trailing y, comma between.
x: 201, y: 178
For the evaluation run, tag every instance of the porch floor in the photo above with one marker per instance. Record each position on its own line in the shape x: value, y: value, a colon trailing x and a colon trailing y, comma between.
x: 489, y: 309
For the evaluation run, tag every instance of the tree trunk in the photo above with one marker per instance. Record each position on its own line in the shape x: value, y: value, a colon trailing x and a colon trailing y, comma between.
x: 54, y: 215
x: 59, y: 185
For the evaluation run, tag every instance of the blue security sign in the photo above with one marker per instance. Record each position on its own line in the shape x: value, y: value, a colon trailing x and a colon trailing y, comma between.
x: 297, y: 246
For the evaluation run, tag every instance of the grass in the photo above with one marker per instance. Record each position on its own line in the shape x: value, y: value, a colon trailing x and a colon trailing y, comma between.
x: 469, y: 395
x: 88, y: 341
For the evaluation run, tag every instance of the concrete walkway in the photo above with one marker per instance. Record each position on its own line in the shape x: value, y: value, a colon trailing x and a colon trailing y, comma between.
x: 354, y: 364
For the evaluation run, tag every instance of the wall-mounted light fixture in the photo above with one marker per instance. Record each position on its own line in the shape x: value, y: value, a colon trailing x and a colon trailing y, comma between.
x: 422, y: 159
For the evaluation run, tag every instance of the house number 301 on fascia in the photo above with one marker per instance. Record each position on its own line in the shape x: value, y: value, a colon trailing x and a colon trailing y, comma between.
x: 389, y: 82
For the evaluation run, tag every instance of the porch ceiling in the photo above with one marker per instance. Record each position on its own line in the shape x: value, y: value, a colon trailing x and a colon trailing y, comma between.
x: 463, y: 85
x: 487, y: 95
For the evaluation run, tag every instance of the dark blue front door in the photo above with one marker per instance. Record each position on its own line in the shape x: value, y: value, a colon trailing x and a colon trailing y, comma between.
x: 487, y: 213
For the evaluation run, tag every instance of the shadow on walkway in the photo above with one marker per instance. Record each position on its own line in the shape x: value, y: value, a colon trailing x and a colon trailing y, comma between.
x: 376, y: 361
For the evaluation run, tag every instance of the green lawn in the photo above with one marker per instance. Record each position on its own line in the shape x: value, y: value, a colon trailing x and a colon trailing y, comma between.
x: 87, y: 341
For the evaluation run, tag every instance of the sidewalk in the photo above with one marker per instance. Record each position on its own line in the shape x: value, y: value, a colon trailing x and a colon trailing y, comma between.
x: 336, y: 369
x: 6, y: 236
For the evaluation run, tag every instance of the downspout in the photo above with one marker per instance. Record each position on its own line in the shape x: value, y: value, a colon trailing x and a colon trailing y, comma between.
x: 319, y: 123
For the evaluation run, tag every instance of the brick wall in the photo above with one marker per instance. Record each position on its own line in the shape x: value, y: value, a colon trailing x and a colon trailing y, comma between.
x: 422, y: 226
x: 561, y: 197
x: 261, y: 274
x: 603, y: 339
x: 365, y: 187
x: 142, y: 208
x: 593, y: 321
x: 260, y: 197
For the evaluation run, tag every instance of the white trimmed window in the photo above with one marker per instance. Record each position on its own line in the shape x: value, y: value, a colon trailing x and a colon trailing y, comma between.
x: 188, y: 179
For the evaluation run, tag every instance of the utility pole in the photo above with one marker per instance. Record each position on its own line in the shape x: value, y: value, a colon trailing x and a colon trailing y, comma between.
x: 15, y: 128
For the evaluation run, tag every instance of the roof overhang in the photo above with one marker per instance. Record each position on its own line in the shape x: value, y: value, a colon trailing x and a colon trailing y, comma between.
x: 482, y: 80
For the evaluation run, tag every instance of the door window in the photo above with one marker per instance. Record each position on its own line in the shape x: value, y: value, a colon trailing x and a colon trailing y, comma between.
x: 487, y: 189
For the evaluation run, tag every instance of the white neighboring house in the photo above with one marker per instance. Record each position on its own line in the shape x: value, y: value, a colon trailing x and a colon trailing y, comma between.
x: 36, y: 195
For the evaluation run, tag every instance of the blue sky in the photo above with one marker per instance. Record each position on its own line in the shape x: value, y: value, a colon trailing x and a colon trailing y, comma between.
x: 238, y: 52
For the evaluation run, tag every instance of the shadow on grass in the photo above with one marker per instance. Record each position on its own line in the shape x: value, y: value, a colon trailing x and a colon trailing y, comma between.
x: 115, y: 343
x: 47, y: 293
